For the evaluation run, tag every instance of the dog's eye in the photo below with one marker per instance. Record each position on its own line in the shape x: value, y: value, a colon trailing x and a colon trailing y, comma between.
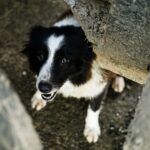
x: 40, y: 57
x: 65, y: 61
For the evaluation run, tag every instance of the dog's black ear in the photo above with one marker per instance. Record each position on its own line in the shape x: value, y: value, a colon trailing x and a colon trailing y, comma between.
x: 78, y: 47
x: 36, y: 33
x: 88, y: 54
x: 25, y: 50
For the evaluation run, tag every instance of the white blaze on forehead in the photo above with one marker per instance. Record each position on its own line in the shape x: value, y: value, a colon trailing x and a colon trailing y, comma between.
x: 53, y: 44
x: 70, y: 20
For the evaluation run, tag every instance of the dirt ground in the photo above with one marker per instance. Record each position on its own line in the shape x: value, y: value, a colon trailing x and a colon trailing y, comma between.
x: 60, y: 125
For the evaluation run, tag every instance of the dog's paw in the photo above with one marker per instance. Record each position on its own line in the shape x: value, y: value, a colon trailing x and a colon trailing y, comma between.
x: 92, y: 134
x: 37, y: 102
x: 118, y: 84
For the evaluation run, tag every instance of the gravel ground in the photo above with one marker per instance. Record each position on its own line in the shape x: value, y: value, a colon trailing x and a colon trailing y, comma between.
x: 60, y: 125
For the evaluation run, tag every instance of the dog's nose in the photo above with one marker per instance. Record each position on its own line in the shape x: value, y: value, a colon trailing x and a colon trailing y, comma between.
x: 45, y: 87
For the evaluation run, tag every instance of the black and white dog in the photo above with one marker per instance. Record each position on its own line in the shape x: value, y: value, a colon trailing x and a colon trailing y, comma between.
x: 65, y: 63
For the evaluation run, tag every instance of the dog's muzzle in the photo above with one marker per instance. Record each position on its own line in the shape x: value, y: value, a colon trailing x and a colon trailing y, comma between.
x: 49, y: 97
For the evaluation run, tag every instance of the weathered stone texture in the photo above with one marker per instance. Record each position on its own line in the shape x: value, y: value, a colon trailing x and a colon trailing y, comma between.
x: 16, y: 130
x: 139, y: 130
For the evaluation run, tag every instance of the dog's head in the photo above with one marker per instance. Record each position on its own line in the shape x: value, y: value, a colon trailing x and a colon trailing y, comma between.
x: 58, y: 54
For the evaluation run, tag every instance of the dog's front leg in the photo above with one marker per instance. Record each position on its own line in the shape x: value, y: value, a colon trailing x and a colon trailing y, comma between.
x: 92, y: 129
x: 37, y: 102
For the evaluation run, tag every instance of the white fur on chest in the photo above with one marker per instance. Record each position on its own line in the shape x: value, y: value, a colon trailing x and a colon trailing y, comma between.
x: 90, y: 89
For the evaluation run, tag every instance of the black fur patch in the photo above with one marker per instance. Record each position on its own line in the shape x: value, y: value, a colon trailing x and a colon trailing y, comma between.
x: 96, y: 102
x: 75, y: 47
x: 36, y: 49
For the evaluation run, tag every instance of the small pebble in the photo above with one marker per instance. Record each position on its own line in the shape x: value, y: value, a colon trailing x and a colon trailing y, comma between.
x: 112, y: 128
x: 117, y: 114
x: 24, y: 73
x: 128, y: 87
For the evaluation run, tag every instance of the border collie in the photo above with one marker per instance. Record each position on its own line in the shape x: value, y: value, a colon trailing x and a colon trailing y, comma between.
x: 65, y: 63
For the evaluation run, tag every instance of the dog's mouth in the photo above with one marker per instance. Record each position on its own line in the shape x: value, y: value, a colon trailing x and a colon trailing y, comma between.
x: 49, y: 97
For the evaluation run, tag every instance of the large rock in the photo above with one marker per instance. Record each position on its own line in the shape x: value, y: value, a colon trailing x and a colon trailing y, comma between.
x: 16, y: 129
x: 139, y: 130
x: 120, y: 32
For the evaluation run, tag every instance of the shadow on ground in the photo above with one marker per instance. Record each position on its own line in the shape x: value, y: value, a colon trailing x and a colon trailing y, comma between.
x: 60, y: 125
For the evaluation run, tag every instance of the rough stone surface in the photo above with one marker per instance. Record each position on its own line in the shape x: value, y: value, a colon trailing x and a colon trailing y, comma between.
x: 16, y: 130
x: 139, y: 131
x: 120, y: 32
